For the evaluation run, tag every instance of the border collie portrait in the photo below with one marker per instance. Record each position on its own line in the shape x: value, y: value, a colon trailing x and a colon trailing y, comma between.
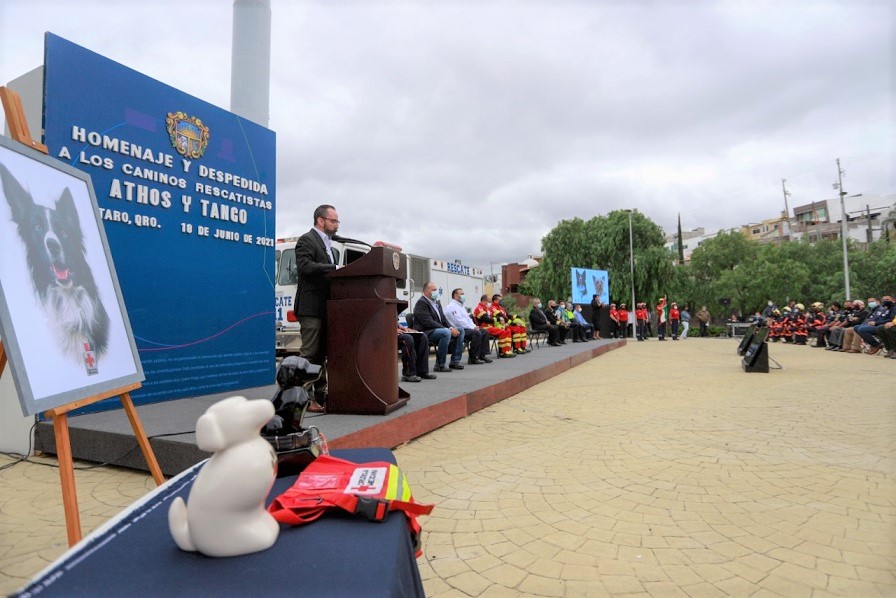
x: 60, y: 273
x: 581, y: 285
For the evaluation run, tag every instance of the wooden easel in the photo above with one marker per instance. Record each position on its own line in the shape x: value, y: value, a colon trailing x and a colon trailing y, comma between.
x: 18, y: 127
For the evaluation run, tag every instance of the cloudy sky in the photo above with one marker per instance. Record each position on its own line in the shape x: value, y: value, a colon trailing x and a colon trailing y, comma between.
x: 467, y: 130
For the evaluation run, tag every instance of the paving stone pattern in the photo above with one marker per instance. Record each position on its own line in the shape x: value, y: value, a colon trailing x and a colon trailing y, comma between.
x: 658, y: 469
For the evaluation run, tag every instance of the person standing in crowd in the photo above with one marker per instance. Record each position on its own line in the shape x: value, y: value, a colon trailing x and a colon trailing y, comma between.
x: 459, y: 318
x: 685, y: 322
x: 674, y: 320
x: 641, y: 316
x: 596, y: 306
x: 622, y: 316
x: 661, y: 319
x: 430, y: 319
x: 704, y: 318
x: 314, y: 260
x: 614, y: 320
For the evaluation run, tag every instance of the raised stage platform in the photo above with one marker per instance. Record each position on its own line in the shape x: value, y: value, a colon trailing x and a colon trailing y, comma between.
x: 107, y: 437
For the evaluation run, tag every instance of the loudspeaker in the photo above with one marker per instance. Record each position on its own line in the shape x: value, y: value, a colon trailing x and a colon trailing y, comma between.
x: 758, y: 361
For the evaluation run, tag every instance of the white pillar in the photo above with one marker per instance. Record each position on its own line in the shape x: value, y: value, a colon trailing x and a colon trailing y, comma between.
x: 250, y: 74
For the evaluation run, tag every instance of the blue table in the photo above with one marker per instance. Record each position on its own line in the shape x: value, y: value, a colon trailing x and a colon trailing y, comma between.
x: 338, y: 555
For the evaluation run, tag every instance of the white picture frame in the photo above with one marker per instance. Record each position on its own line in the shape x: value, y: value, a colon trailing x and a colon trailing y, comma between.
x: 63, y: 321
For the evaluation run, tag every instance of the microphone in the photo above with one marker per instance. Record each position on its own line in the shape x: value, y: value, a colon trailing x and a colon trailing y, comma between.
x: 340, y: 239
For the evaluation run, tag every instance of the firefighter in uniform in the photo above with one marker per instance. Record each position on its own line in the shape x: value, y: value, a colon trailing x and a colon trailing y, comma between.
x: 482, y: 315
x: 815, y: 322
x: 641, y: 319
x: 775, y: 326
x: 800, y: 330
x: 512, y: 323
x: 614, y: 320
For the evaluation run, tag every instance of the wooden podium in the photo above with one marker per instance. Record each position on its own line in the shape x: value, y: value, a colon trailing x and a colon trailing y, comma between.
x: 362, y: 350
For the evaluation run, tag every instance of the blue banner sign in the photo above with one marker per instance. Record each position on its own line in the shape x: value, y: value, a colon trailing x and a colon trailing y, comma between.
x: 186, y: 192
x: 587, y: 283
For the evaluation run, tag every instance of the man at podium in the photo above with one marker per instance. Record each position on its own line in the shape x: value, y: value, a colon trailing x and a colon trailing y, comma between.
x: 314, y: 260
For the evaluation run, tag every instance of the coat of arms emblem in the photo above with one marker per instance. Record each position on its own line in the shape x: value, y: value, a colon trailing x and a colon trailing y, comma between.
x: 188, y: 135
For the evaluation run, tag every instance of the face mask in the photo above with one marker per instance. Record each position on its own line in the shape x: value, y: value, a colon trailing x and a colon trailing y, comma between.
x: 537, y: 306
x: 888, y: 304
x: 769, y: 303
x: 435, y: 295
x: 463, y: 298
x: 872, y: 304
x: 562, y: 306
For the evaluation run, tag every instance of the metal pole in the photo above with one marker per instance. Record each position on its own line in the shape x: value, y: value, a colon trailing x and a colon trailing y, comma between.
x: 631, y: 253
x: 843, y: 229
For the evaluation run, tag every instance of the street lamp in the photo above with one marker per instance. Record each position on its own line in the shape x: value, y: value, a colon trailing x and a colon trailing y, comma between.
x: 843, y: 228
x: 631, y: 261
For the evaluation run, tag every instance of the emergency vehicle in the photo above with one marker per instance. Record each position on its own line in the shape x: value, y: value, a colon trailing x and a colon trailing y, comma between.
x: 449, y: 275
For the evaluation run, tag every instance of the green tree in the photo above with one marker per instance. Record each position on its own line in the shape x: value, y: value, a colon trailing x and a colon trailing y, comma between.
x: 602, y: 243
x: 717, y: 273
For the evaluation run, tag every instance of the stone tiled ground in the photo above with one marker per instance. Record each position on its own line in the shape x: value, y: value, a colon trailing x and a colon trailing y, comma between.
x: 663, y: 469
x: 660, y: 469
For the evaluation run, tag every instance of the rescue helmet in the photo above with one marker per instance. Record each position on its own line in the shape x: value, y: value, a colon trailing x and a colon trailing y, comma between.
x: 800, y: 306
x: 776, y: 311
x: 786, y: 310
x: 818, y: 305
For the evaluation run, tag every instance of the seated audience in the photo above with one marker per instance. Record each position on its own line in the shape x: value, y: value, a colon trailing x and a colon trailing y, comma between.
x: 859, y: 314
x: 414, y: 346
x: 458, y: 317
x: 482, y: 315
x: 430, y: 319
x: 562, y: 327
x: 541, y: 323
x: 584, y: 325
x: 881, y: 314
x: 512, y: 323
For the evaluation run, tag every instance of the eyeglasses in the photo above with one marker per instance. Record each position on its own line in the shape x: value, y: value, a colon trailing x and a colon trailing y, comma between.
x: 330, y: 219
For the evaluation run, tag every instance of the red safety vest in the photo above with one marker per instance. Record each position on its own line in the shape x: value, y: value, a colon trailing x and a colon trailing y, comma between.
x: 370, y: 489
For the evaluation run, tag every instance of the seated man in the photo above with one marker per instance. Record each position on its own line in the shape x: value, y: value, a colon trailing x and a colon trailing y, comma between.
x: 566, y: 316
x: 882, y: 314
x: 887, y: 334
x: 458, y: 317
x: 856, y: 316
x: 585, y: 326
x: 414, y: 346
x: 562, y: 327
x: 482, y: 314
x: 539, y: 321
x: 511, y: 323
x: 430, y: 319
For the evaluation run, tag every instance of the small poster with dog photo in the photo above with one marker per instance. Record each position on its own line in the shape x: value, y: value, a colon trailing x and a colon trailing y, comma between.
x: 62, y: 318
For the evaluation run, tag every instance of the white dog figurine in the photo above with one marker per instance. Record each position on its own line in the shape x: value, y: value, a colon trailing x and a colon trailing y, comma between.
x: 226, y: 515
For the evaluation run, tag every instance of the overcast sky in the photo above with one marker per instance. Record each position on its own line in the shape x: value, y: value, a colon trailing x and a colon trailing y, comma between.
x: 467, y: 130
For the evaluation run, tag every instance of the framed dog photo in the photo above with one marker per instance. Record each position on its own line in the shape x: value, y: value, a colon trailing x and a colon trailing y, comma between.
x: 63, y: 322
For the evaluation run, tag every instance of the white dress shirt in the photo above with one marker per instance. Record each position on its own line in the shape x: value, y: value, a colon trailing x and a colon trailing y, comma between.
x: 457, y: 316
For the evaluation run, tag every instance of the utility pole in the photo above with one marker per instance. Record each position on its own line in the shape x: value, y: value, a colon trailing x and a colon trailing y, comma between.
x: 786, y: 210
x: 868, y: 235
x: 786, y: 193
x: 843, y: 229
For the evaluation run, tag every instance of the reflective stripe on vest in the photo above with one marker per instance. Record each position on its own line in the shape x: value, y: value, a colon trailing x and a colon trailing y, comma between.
x: 370, y: 489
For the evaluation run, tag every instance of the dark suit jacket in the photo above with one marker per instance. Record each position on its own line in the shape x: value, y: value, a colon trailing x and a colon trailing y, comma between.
x: 313, y: 284
x: 538, y: 319
x: 427, y: 318
x: 550, y: 315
